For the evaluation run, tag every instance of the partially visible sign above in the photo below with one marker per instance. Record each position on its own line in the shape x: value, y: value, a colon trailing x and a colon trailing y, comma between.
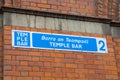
x: 39, y: 40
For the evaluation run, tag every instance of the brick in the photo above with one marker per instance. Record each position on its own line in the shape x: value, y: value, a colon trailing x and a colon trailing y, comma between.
x: 73, y: 75
x: 33, y: 4
x: 7, y: 78
x: 65, y: 1
x: 23, y: 53
x: 35, y: 54
x: 58, y: 69
x: 46, y: 59
x: 83, y: 71
x: 7, y: 28
x: 35, y: 64
x: 117, y: 40
x: 25, y: 3
x: 59, y: 55
x: 36, y: 74
x: 63, y: 8
x: 24, y: 73
x: 7, y: 68
x: 24, y: 63
x: 23, y: 68
x: 111, y: 77
x: 70, y: 56
x: 47, y: 78
x: 72, y: 1
x: 64, y: 60
x: 35, y: 58
x: 7, y: 32
x: 73, y: 6
x: 7, y: 37
x: 36, y: 68
x: 54, y: 6
x: 58, y: 74
x: 34, y: 8
x: 68, y: 70
x: 16, y: 3
x: 12, y: 52
x: 8, y: 62
x: 81, y: 61
x: 46, y: 54
x: 100, y: 62
x: 82, y: 11
x: 47, y: 69
x: 81, y: 66
x: 117, y: 48
x: 47, y: 64
x: 92, y: 76
x: 44, y: 5
x: 43, y: 1
x: 71, y: 65
x: 12, y: 73
x: 7, y: 42
x: 13, y: 68
x: 26, y: 58
x: 80, y: 56
x: 13, y: 57
x: 7, y: 47
x: 91, y: 66
x: 58, y: 64
x: 110, y: 68
x: 7, y: 57
x: 35, y: 1
x: 36, y: 78
x: 90, y: 56
x: 47, y: 74
x: 100, y: 72
x: 67, y: 79
x: 24, y: 78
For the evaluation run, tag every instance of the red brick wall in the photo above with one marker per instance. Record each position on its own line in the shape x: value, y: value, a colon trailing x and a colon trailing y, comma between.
x: 77, y: 7
x: 1, y: 2
x: 102, y: 8
x: 1, y: 52
x: 38, y: 64
x: 117, y: 53
x: 92, y: 8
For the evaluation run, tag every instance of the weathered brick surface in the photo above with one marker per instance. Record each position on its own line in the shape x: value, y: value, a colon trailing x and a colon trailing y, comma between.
x: 76, y: 7
x: 39, y: 64
x: 1, y: 53
x: 117, y: 53
x: 92, y: 8
x: 1, y: 3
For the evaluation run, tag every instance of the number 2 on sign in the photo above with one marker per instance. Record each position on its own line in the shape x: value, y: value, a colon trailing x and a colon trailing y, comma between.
x: 101, y: 44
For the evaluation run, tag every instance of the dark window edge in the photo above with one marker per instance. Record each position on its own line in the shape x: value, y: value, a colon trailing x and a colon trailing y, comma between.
x: 115, y: 24
x: 55, y: 15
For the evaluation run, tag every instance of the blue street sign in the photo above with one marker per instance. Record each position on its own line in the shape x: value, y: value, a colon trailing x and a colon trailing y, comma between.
x: 21, y: 39
x: 58, y: 42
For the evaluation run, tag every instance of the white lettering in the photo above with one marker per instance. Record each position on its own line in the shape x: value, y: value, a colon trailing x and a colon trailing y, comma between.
x: 26, y: 39
x: 76, y: 46
x: 48, y: 38
x: 22, y: 34
x: 18, y: 38
x: 60, y: 39
x: 22, y: 43
x: 22, y: 39
x: 54, y: 44
x: 76, y: 41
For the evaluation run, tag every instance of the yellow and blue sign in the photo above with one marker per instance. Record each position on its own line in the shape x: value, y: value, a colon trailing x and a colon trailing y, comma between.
x: 26, y: 39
